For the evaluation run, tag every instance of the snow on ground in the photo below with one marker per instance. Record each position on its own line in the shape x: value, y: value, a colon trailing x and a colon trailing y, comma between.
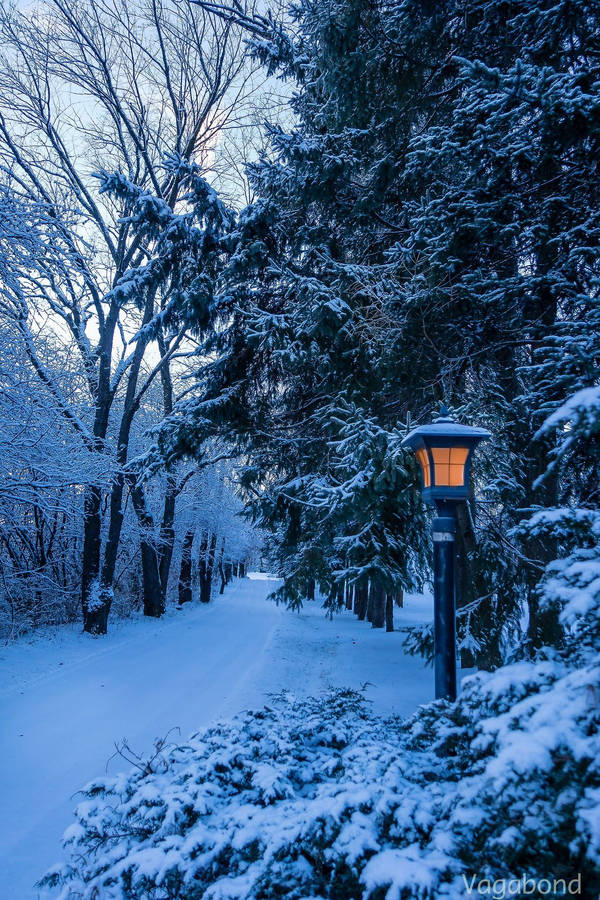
x: 66, y: 697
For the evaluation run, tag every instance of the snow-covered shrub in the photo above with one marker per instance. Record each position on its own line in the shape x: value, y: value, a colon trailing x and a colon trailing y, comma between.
x: 321, y: 799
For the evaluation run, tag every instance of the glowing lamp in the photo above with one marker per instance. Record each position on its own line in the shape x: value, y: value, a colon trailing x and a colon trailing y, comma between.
x: 444, y: 450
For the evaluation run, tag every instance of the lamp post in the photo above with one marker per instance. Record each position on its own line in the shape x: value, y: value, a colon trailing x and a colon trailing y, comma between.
x: 444, y: 451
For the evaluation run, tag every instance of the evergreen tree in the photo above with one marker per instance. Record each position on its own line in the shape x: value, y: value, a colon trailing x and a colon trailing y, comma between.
x: 503, y: 247
x: 427, y: 230
x: 306, y: 380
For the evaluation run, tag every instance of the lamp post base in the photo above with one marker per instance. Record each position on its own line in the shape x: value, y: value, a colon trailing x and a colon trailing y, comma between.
x: 444, y: 614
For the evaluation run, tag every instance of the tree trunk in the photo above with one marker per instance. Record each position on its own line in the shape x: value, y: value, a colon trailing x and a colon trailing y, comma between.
x: 221, y: 569
x: 166, y: 539
x: 211, y: 562
x: 370, y: 601
x: 167, y: 529
x: 185, y: 571
x: 95, y: 614
x: 203, y: 567
x: 99, y: 602
x: 130, y: 407
x: 335, y: 598
x: 362, y: 598
x: 310, y: 589
x: 377, y: 605
x: 349, y: 591
x: 400, y: 598
x: 206, y: 566
x: 152, y: 594
x: 389, y: 612
x: 242, y: 570
x: 95, y: 617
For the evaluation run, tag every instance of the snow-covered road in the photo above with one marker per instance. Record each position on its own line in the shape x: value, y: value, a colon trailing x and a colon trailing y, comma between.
x: 66, y: 699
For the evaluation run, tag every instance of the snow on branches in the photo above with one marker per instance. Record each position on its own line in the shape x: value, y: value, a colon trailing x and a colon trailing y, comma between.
x: 321, y: 799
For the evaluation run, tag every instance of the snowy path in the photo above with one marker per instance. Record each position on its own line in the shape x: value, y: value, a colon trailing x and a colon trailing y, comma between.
x: 65, y: 701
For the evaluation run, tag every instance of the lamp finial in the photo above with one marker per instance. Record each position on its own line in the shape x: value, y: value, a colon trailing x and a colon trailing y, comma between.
x: 444, y: 414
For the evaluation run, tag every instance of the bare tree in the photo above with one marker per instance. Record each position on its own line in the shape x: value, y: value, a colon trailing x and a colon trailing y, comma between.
x: 109, y: 85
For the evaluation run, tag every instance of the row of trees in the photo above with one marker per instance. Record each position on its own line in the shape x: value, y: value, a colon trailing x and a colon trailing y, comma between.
x: 93, y: 356
x: 427, y: 228
x: 424, y: 227
x: 367, y: 598
x: 41, y: 534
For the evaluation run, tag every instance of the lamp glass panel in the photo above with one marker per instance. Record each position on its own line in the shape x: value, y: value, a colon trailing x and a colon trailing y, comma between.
x: 425, y: 467
x: 449, y: 465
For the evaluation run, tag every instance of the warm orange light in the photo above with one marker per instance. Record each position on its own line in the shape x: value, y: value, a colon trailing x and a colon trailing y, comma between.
x: 425, y: 467
x: 449, y: 465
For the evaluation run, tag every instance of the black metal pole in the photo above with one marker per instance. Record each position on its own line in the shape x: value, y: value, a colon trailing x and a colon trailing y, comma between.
x: 444, y: 614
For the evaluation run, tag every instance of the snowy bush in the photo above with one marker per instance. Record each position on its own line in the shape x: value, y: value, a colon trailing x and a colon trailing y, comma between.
x: 320, y: 799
